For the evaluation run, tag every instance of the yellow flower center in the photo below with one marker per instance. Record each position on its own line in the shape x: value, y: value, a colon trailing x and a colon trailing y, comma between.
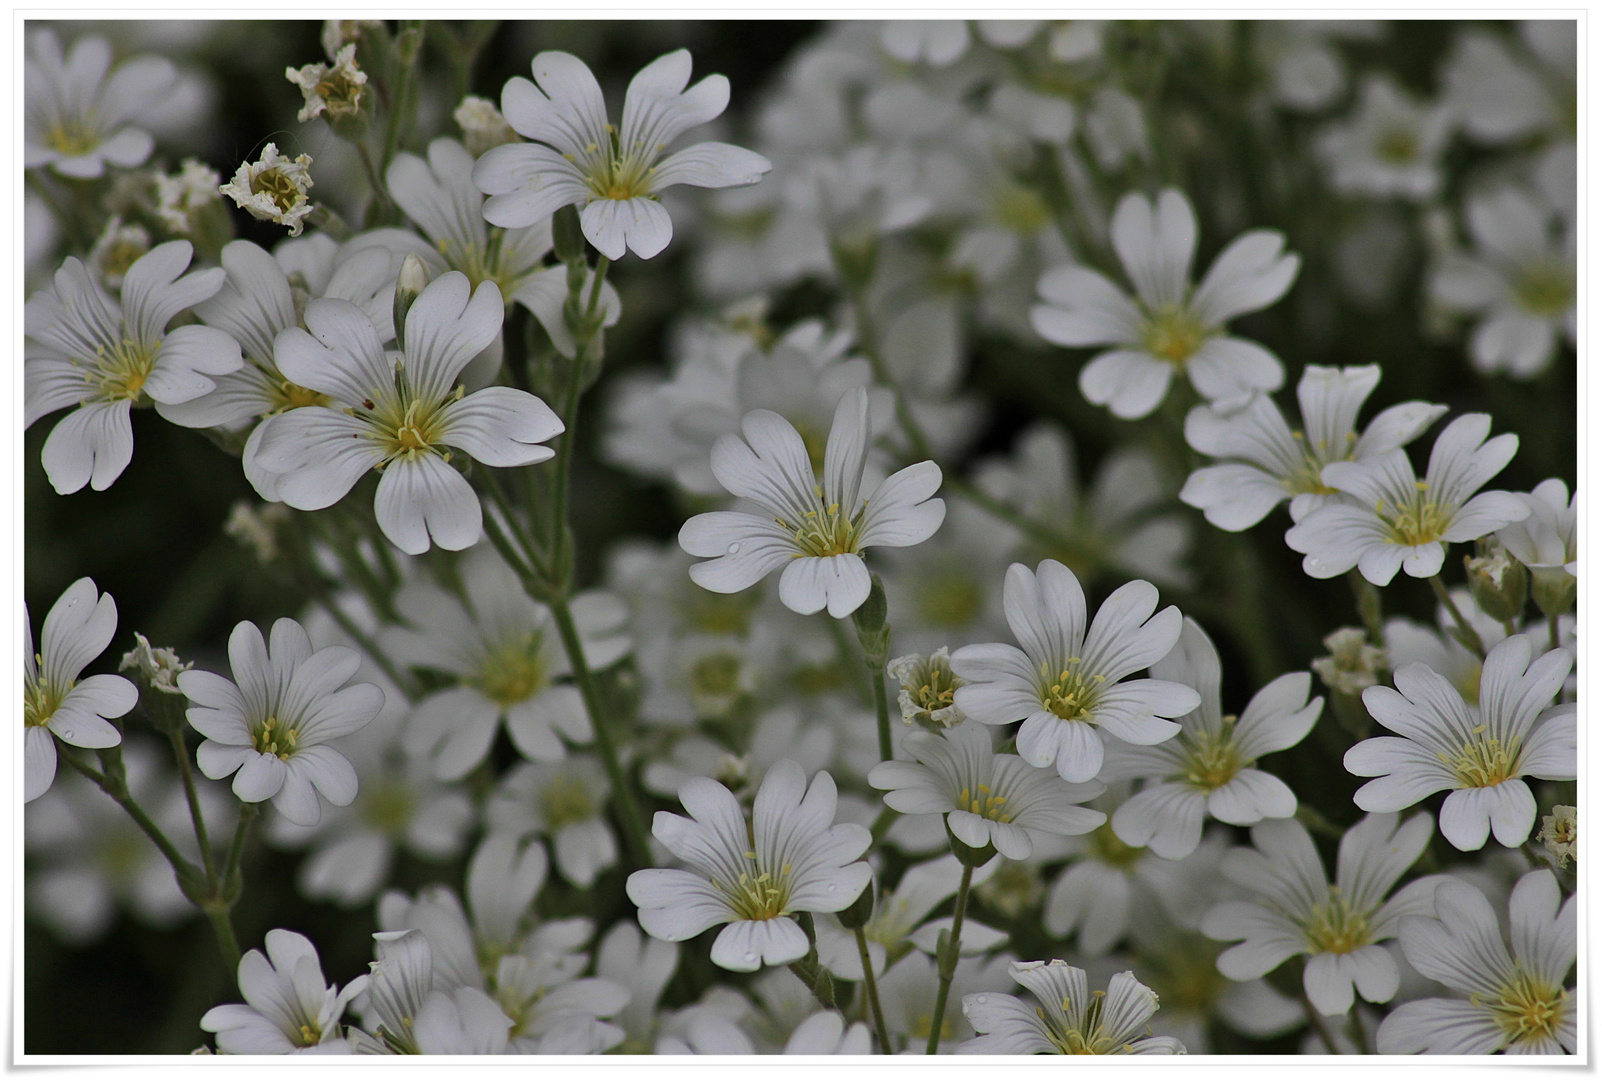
x: 1309, y: 479
x: 826, y: 532
x: 1022, y: 210
x: 277, y: 186
x: 1334, y: 926
x: 1398, y: 146
x: 287, y: 395
x: 1545, y: 289
x: 566, y: 801
x: 276, y: 738
x: 923, y: 1024
x: 1212, y: 760
x: 387, y: 805
x: 1526, y: 1008
x: 938, y: 690
x: 311, y: 1033
x: 122, y: 370
x: 759, y: 894
x: 341, y: 92
x: 117, y: 257
x: 1107, y: 848
x: 716, y: 683
x: 513, y: 672
x: 720, y: 613
x: 1422, y: 520
x: 72, y: 137
x: 618, y: 175
x: 1483, y: 762
x: 982, y: 802
x: 1070, y: 695
x: 40, y: 700
x: 1173, y: 334
x: 481, y: 264
x: 1090, y: 1037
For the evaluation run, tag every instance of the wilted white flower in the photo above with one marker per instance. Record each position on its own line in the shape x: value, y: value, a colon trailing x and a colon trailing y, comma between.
x: 1070, y: 1019
x: 1272, y: 463
x: 160, y: 667
x: 1390, y: 148
x: 76, y: 119
x: 928, y: 689
x: 1516, y: 1001
x: 1520, y: 282
x: 987, y: 798
x: 335, y: 90
x: 271, y: 727
x: 1064, y: 682
x: 790, y: 858
x: 1353, y: 665
x: 1395, y: 521
x: 1296, y: 911
x: 1479, y: 753
x: 117, y: 249
x: 1170, y: 328
x: 56, y: 704
x: 612, y: 175
x: 288, y: 1009
x: 402, y: 413
x: 482, y: 125
x: 1209, y: 769
x: 273, y: 188
x: 181, y: 196
x: 1560, y: 831
x: 815, y: 531
x: 88, y: 350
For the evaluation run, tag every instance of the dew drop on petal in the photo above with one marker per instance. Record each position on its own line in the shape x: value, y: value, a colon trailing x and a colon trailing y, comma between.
x: 980, y: 999
x: 734, y: 549
x: 750, y: 957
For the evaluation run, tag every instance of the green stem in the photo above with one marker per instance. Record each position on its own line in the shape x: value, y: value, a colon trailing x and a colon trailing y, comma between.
x: 1355, y: 1032
x: 1368, y: 606
x: 881, y: 706
x: 222, y: 924
x: 236, y: 850
x: 602, y: 265
x: 848, y: 660
x: 634, y: 834
x: 881, y: 824
x: 180, y: 750
x: 1466, y: 632
x: 868, y: 342
x: 530, y: 554
x: 871, y: 984
x: 1552, y: 631
x: 948, y: 961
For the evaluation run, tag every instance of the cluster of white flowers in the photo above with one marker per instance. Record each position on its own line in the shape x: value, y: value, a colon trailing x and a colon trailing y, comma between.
x: 931, y: 698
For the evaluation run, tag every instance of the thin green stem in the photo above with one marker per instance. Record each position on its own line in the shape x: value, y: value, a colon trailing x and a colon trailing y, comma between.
x: 881, y: 707
x: 180, y: 750
x: 1466, y: 632
x: 1552, y: 631
x: 634, y: 834
x: 1368, y: 606
x: 1356, y: 1032
x: 236, y: 850
x: 601, y: 267
x: 948, y: 961
x: 848, y: 660
x: 871, y: 985
x: 881, y: 824
x: 222, y: 924
x: 868, y: 343
x: 530, y: 553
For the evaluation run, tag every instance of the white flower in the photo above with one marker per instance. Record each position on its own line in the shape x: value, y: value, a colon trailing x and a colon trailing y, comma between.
x: 816, y: 531
x: 987, y: 798
x: 508, y: 661
x: 1210, y: 768
x: 1395, y: 521
x: 566, y: 801
x: 1070, y: 1020
x: 1480, y: 753
x: 1516, y: 1001
x: 1064, y: 683
x: 181, y: 196
x: 1520, y: 282
x: 1390, y: 148
x: 88, y: 350
x: 440, y: 197
x: 1272, y: 463
x: 944, y: 596
x: 273, y: 188
x: 271, y: 726
x: 907, y: 993
x: 289, y: 1009
x: 401, y: 412
x: 1171, y: 328
x: 335, y: 89
x: 1353, y: 665
x: 75, y: 118
x: 263, y: 295
x: 776, y: 735
x: 399, y: 994
x: 790, y: 858
x: 56, y: 704
x: 482, y: 125
x: 1548, y: 543
x: 613, y: 176
x: 643, y: 965
x: 1502, y: 93
x: 928, y: 689
x: 1298, y: 912
x: 827, y: 1033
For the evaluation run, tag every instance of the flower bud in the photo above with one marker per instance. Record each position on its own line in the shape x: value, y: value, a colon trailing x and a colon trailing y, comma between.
x: 409, y: 285
x: 968, y: 856
x: 1352, y: 667
x: 567, y: 236
x: 1498, y: 581
x: 860, y: 913
x: 1553, y: 588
